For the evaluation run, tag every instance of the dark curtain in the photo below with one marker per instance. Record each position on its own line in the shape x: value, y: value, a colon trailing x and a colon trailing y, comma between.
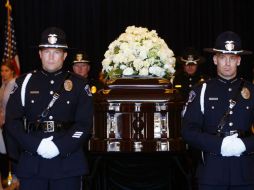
x: 92, y: 25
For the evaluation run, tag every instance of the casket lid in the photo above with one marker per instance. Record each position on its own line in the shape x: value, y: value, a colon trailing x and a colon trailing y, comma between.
x: 139, y: 82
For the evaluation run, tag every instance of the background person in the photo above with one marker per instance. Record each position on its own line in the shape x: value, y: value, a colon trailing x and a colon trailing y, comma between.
x: 81, y: 65
x: 8, y: 81
x: 189, y: 73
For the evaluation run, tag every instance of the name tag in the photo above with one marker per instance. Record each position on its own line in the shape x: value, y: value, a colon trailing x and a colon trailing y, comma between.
x: 34, y: 92
x: 213, y: 98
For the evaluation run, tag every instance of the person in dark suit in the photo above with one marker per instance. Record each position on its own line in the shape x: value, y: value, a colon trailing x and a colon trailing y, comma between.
x: 217, y: 119
x: 189, y: 73
x: 56, y: 108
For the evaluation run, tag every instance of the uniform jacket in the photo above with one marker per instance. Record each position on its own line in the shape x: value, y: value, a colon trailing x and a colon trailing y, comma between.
x: 74, y: 106
x: 187, y: 82
x: 199, y: 131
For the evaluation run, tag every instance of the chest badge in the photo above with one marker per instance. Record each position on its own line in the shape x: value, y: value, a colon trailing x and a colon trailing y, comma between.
x: 252, y: 129
x: 245, y: 93
x: 68, y: 85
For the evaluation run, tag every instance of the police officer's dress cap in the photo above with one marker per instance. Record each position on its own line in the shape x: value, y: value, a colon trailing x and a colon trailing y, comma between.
x: 190, y: 56
x: 228, y: 43
x: 53, y: 37
x: 81, y: 57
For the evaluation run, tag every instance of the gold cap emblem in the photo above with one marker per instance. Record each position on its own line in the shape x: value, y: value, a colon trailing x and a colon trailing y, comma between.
x: 68, y: 85
x: 79, y: 57
x: 245, y: 93
x: 52, y: 38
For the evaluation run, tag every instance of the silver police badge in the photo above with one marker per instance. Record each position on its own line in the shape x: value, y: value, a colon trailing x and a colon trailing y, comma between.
x: 68, y: 85
x: 245, y: 93
x: 52, y: 38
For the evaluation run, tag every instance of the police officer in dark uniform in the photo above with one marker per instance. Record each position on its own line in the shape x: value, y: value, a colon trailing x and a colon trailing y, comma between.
x: 56, y: 106
x: 81, y: 65
x: 189, y: 74
x: 217, y: 119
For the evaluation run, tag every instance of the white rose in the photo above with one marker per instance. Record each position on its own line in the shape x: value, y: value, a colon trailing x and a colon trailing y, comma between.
x: 128, y: 71
x: 144, y: 71
x: 138, y: 64
x: 158, y: 71
x: 122, y: 67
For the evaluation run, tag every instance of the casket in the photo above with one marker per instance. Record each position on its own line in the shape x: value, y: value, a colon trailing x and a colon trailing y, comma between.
x: 136, y: 114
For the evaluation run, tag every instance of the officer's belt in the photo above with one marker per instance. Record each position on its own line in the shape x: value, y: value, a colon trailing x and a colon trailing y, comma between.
x: 241, y: 134
x: 47, y: 126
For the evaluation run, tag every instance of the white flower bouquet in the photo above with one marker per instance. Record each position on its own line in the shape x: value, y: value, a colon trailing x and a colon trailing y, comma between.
x: 140, y: 52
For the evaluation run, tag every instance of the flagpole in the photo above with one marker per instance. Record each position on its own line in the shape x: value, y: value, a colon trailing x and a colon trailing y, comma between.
x: 9, y: 9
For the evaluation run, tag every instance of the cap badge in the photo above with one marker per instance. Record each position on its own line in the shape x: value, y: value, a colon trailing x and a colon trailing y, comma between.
x: 245, y: 93
x: 79, y: 57
x: 68, y: 85
x: 52, y: 38
x: 190, y: 58
x: 229, y: 45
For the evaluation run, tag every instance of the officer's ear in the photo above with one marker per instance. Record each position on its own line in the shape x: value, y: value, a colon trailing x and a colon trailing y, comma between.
x: 65, y: 54
x: 215, y: 59
x: 40, y: 53
x: 238, y: 60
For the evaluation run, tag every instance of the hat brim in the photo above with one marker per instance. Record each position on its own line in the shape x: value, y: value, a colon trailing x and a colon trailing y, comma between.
x: 214, y: 51
x: 36, y: 47
x: 200, y: 61
x: 84, y: 62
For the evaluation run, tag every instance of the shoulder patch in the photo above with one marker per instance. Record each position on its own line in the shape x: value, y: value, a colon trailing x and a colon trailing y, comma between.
x: 192, y: 96
x: 15, y: 87
x: 88, y: 91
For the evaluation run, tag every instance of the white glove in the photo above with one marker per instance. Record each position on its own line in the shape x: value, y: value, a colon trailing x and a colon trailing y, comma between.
x: 227, y: 145
x: 47, y: 148
x: 238, y: 147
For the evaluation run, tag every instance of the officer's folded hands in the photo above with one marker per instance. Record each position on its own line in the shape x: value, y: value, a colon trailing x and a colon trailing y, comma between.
x: 47, y: 148
x: 232, y: 146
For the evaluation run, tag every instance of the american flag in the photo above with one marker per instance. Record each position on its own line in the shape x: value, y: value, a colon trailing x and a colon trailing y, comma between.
x: 10, y: 49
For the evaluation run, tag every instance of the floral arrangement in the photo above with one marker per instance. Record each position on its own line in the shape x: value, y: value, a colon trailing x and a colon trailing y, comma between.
x: 138, y: 51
